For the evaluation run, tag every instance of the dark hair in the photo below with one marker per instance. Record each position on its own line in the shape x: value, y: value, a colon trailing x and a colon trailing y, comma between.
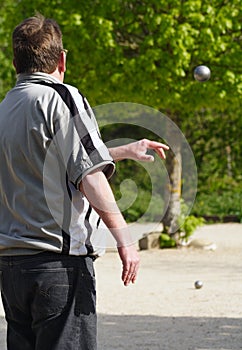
x: 37, y: 45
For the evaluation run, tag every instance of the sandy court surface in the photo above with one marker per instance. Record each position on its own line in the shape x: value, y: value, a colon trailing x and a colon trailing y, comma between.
x: 163, y: 310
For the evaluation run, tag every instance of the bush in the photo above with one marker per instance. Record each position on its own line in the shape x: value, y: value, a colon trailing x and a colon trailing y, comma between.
x: 167, y: 241
x: 190, y: 224
x: 219, y: 204
x: 187, y: 226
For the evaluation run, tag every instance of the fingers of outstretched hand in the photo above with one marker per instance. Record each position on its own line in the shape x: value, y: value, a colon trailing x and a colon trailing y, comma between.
x: 159, y: 147
x: 161, y: 153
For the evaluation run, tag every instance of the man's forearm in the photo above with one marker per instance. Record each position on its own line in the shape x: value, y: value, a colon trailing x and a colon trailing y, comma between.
x: 99, y: 194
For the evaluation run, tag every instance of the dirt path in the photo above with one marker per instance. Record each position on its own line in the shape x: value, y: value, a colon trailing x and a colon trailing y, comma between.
x: 163, y: 310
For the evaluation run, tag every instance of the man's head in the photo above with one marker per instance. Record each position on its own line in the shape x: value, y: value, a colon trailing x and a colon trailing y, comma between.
x: 37, y: 45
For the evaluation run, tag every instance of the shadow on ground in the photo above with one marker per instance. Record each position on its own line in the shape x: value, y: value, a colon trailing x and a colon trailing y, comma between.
x: 162, y: 333
x: 169, y: 333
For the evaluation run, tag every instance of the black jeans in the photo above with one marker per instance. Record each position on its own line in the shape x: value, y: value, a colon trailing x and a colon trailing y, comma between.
x: 49, y: 301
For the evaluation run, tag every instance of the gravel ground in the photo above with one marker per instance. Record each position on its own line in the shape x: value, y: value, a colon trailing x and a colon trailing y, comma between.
x: 163, y: 310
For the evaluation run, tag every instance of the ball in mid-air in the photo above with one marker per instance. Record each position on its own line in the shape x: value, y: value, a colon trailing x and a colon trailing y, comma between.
x: 202, y: 73
x: 198, y: 284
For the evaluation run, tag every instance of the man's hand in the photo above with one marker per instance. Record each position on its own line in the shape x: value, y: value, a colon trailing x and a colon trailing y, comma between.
x: 137, y: 150
x: 130, y: 260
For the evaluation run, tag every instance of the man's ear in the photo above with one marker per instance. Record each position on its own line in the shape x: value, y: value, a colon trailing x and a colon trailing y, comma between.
x: 62, y: 62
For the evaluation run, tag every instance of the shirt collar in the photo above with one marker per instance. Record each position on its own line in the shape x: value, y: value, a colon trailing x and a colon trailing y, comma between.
x: 35, y: 77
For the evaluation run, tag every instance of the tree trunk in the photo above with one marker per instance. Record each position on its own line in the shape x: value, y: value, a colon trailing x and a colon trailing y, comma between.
x: 173, y: 187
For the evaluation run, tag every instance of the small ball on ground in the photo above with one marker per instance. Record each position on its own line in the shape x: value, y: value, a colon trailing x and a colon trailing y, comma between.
x: 198, y: 284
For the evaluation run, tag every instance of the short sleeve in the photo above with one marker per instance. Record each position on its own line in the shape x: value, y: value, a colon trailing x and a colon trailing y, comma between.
x: 78, y: 139
x: 89, y: 152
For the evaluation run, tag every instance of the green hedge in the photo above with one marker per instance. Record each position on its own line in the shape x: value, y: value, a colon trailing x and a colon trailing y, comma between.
x: 227, y: 203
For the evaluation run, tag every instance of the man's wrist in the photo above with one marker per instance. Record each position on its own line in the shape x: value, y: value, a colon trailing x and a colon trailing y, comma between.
x: 119, y: 153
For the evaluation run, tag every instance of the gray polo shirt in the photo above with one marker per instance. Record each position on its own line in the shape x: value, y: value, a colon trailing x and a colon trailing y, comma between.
x: 49, y: 141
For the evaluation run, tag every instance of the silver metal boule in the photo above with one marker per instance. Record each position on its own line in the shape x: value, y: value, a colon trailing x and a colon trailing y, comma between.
x: 202, y: 73
x: 198, y: 284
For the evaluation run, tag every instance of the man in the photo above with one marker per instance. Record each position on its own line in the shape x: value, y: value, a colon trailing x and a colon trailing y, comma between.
x: 53, y: 183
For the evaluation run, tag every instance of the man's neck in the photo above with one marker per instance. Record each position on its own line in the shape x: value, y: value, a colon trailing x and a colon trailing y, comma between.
x: 58, y: 75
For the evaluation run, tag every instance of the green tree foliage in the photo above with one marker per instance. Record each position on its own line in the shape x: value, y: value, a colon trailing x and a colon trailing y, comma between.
x: 145, y: 52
